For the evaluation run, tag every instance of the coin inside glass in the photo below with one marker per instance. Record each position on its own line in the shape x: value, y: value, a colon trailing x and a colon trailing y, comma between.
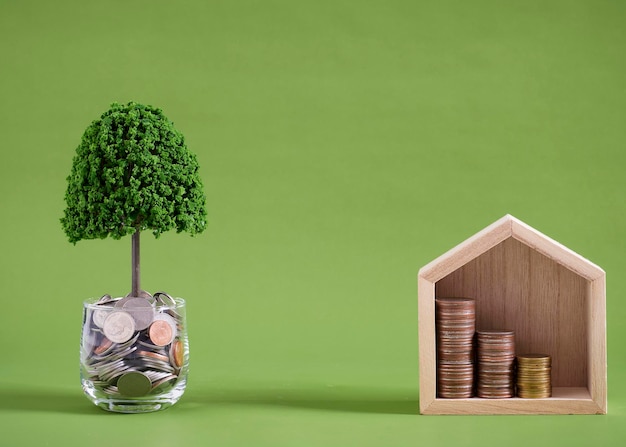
x: 99, y: 315
x: 178, y: 353
x: 141, y: 310
x: 164, y: 299
x: 134, y: 384
x: 161, y: 333
x: 119, y: 327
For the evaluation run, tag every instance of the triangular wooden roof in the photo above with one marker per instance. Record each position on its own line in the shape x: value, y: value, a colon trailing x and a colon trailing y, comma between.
x: 504, y: 228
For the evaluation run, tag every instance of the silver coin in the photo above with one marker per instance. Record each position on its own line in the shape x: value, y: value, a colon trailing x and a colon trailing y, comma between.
x: 157, y: 365
x: 164, y: 299
x: 141, y: 310
x: 164, y: 380
x: 105, y: 367
x: 155, y: 348
x: 106, y: 298
x: 120, y: 303
x: 119, y: 326
x: 105, y: 353
x: 128, y: 343
x: 117, y: 355
x: 111, y: 390
x: 145, y: 294
x: 116, y: 373
x: 106, y: 372
x: 156, y: 375
x: 99, y: 315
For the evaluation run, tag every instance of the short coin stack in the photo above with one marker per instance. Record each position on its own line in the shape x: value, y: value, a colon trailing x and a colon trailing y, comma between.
x: 496, y: 364
x: 533, y: 376
x: 132, y: 346
x: 455, y: 319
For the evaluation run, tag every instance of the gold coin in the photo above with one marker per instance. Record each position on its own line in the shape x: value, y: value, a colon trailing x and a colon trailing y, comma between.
x: 534, y: 359
x: 533, y: 376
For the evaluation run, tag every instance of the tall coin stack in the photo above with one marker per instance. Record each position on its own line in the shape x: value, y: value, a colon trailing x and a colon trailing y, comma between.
x: 455, y: 320
x: 533, y: 376
x: 496, y: 363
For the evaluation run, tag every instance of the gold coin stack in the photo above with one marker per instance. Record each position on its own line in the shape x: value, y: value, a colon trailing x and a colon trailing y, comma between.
x: 496, y: 363
x: 533, y: 376
x: 455, y: 319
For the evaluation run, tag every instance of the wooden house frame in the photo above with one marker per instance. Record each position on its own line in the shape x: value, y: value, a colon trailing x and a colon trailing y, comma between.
x: 554, y: 300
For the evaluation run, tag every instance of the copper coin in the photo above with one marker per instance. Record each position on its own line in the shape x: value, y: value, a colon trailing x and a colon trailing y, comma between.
x: 458, y: 379
x: 495, y: 333
x: 455, y: 322
x: 465, y: 368
x: 455, y: 301
x: 496, y: 363
x: 104, y: 345
x: 161, y: 333
x: 452, y: 394
x: 168, y: 319
x: 178, y: 353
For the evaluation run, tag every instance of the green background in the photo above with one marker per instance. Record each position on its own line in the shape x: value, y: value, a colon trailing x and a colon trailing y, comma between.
x: 343, y: 145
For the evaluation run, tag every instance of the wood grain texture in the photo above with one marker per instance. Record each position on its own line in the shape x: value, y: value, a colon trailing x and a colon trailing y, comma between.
x: 551, y: 297
x: 564, y: 401
x: 465, y: 252
x: 427, y: 348
x: 596, y: 342
x: 519, y: 289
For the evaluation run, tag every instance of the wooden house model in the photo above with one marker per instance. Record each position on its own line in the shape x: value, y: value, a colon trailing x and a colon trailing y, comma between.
x: 554, y: 300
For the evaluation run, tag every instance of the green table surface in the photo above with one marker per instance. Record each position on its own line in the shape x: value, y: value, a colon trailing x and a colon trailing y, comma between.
x: 342, y: 145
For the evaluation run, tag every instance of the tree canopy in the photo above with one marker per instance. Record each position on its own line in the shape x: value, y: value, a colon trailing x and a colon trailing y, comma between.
x: 132, y: 172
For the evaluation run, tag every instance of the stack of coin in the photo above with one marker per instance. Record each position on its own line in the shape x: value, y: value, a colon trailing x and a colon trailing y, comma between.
x: 455, y: 320
x: 132, y: 346
x: 533, y: 375
x: 496, y: 364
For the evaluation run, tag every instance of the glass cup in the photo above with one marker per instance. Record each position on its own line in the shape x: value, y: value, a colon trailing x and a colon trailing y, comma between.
x: 134, y: 354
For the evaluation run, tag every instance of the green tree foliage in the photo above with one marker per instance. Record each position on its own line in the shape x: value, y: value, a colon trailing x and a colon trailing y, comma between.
x: 132, y: 172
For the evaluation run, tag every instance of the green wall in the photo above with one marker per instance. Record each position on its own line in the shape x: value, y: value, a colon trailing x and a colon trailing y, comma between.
x: 342, y: 145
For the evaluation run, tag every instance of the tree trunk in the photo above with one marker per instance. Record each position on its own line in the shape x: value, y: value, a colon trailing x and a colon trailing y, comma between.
x: 135, y: 264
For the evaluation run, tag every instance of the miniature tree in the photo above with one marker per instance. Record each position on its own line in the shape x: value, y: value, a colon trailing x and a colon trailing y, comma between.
x: 132, y: 172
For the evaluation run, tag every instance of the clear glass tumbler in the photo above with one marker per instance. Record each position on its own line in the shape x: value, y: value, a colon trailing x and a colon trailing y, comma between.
x: 134, y: 355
